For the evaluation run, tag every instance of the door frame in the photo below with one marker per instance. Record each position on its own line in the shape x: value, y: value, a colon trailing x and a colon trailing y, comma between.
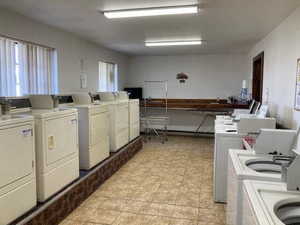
x: 261, y: 57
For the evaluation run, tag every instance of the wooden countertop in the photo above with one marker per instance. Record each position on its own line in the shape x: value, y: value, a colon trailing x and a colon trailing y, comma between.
x: 194, y: 104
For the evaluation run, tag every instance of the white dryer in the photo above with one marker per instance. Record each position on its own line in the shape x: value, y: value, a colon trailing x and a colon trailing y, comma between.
x: 57, y: 152
x: 134, y: 118
x: 119, y: 119
x: 17, y: 167
x: 246, y: 165
x: 93, y: 130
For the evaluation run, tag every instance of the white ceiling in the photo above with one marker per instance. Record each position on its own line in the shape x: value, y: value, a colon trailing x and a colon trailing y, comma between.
x: 226, y: 25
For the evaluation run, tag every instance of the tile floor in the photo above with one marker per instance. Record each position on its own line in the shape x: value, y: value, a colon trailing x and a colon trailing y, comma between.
x: 164, y: 184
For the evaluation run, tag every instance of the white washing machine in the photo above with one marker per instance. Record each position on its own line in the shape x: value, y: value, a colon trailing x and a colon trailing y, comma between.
x: 256, y: 110
x: 134, y: 118
x: 269, y: 203
x: 223, y: 120
x: 223, y: 142
x: 231, y: 136
x: 93, y: 129
x: 17, y: 167
x: 57, y: 152
x: 246, y: 165
x: 118, y: 108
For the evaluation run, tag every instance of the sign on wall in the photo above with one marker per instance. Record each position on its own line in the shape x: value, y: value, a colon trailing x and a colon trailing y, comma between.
x: 297, y: 96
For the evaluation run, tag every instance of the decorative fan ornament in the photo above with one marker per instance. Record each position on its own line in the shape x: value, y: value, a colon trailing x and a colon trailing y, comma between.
x: 182, y: 77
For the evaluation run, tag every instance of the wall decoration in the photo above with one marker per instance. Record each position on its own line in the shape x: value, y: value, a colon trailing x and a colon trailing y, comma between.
x: 182, y: 77
x: 297, y: 94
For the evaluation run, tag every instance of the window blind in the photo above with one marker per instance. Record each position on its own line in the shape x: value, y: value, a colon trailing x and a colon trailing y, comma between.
x: 8, y: 79
x: 26, y: 68
x: 108, y: 77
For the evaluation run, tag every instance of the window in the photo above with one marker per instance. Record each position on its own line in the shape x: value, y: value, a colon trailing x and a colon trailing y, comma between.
x: 42, y: 77
x: 108, y: 77
x: 18, y: 80
x: 26, y: 68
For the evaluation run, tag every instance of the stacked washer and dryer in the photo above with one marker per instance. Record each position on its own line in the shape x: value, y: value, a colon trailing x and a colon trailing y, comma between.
x: 93, y: 129
x: 134, y: 119
x: 118, y: 107
x: 133, y: 114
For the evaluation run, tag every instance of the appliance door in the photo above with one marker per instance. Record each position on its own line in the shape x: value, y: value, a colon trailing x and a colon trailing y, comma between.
x: 134, y: 131
x: 122, y: 121
x: 99, y: 128
x: 134, y: 116
x: 122, y: 116
x: 17, y: 153
x: 62, y: 138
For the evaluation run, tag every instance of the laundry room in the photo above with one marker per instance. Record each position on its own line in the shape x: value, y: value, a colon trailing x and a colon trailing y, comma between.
x: 139, y: 112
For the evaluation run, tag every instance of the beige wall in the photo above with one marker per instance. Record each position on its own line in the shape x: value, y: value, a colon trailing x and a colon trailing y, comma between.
x: 282, y: 49
x: 71, y: 49
x: 210, y: 76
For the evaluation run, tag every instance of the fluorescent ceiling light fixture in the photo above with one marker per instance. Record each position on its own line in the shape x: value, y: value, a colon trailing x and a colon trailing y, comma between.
x: 157, y: 11
x: 172, y: 43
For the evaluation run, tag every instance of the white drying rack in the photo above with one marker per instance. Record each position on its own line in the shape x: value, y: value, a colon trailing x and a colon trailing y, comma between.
x: 153, y: 122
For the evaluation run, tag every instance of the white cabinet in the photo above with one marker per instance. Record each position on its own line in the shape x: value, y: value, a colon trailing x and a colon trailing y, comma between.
x: 118, y: 106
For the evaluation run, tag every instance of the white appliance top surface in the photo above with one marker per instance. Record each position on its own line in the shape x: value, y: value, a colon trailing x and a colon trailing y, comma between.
x: 44, y: 113
x: 108, y: 102
x: 218, y: 117
x: 225, y: 121
x: 105, y: 103
x: 123, y: 101
x: 91, y: 106
x: 14, y: 119
x: 240, y: 158
x: 134, y: 100
x: 122, y: 95
x: 226, y: 129
x: 107, y: 96
x: 265, y: 197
